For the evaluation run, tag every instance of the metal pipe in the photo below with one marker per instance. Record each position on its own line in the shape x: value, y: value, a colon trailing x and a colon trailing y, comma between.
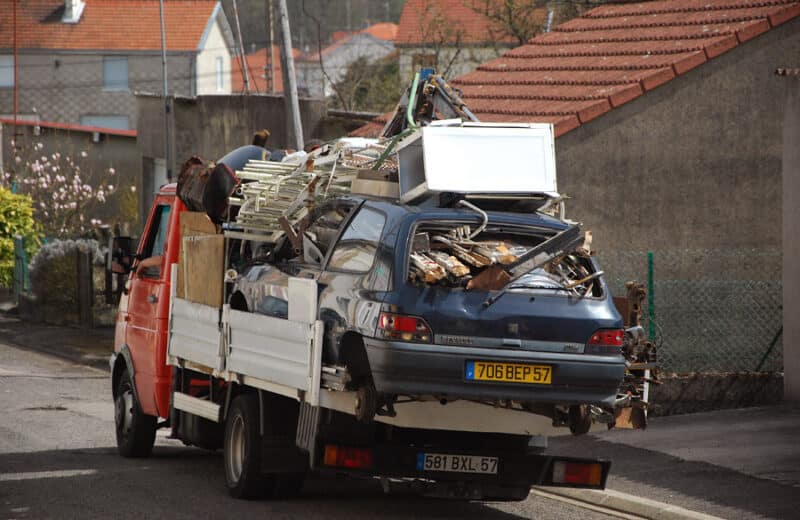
x: 271, y: 56
x: 412, y: 99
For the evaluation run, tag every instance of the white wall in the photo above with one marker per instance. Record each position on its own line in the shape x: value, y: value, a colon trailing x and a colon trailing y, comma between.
x: 215, y: 47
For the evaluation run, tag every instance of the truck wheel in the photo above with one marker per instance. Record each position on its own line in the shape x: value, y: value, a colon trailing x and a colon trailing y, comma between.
x: 136, y: 431
x: 243, y: 449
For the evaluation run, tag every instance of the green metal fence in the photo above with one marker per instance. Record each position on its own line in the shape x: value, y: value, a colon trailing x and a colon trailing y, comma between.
x: 713, y: 311
x: 22, y: 280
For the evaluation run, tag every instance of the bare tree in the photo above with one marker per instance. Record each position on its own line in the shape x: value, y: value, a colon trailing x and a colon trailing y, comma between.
x: 438, y: 33
x: 317, y: 21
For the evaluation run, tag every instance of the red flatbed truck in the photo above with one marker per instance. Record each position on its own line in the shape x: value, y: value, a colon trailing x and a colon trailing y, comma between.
x: 174, y: 366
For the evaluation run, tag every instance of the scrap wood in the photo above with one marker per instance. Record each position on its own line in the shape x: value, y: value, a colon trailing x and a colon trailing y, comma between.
x: 471, y: 257
x: 496, y: 251
x: 450, y: 263
x: 432, y: 272
x: 493, y: 278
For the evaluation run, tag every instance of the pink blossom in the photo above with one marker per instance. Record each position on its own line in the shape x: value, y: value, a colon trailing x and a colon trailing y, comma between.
x: 112, y: 171
x: 18, y: 159
x: 133, y: 189
x: 84, y: 154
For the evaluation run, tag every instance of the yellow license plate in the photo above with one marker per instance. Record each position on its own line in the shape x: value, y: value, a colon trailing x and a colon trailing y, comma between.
x: 508, y: 372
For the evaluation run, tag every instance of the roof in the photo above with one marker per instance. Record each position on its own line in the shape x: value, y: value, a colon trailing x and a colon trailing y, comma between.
x: 450, y: 21
x: 107, y: 25
x: 346, y: 39
x: 610, y: 56
x: 70, y: 127
x: 383, y: 31
x: 256, y: 63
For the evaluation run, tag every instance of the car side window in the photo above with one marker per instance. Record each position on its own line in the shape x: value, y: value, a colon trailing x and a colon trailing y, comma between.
x: 324, y: 228
x: 355, y: 251
x: 155, y: 241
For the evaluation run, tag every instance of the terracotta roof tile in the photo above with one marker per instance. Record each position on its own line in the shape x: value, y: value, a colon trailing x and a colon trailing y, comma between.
x: 106, y: 25
x: 610, y: 56
x: 424, y: 21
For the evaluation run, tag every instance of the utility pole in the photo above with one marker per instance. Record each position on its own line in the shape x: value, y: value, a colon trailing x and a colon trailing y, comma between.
x: 167, y: 150
x: 271, y: 46
x: 243, y: 59
x: 286, y: 50
x: 16, y: 78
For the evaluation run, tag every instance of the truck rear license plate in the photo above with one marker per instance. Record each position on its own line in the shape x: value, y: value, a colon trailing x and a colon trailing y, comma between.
x: 508, y: 372
x: 456, y: 463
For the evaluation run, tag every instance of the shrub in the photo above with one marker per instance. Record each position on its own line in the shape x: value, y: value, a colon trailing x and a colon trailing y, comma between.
x: 54, y: 270
x: 16, y: 218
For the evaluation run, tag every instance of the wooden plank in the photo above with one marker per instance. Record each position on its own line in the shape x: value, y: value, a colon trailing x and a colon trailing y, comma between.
x: 201, y: 260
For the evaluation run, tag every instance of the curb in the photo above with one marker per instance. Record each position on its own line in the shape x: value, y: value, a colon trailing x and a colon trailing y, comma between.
x: 64, y: 352
x: 623, y: 502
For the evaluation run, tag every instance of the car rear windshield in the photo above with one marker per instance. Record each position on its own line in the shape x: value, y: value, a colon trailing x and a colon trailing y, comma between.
x: 462, y: 256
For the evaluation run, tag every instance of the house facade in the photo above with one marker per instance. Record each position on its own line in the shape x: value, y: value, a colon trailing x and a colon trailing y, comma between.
x: 371, y: 44
x: 451, y: 36
x: 81, y: 61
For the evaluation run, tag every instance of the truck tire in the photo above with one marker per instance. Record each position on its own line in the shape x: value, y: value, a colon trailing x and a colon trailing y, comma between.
x: 136, y: 431
x: 242, y: 450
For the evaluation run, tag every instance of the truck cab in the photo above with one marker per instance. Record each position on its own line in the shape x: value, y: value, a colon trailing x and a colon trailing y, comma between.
x: 139, y: 372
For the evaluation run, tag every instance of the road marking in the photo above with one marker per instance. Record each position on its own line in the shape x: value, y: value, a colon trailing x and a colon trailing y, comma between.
x: 586, y: 505
x: 639, y: 507
x: 36, y: 475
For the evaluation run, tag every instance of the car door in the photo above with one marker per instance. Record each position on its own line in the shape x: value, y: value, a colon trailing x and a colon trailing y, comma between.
x: 148, y: 307
x: 353, y: 282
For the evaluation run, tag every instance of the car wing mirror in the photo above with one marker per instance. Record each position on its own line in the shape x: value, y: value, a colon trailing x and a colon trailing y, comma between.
x: 121, y: 255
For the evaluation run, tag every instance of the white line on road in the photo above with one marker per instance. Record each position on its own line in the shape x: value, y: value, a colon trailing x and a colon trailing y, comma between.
x: 36, y: 475
x: 586, y: 505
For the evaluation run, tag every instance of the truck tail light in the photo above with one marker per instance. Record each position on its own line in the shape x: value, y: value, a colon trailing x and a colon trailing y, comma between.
x: 577, y: 473
x: 405, y: 328
x: 347, y: 457
x: 606, y: 341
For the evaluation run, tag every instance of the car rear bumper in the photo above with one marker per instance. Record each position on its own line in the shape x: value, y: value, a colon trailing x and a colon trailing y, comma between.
x: 425, y: 369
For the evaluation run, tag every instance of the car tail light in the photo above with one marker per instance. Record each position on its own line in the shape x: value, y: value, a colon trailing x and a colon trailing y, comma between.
x: 578, y: 473
x: 605, y: 341
x: 347, y: 457
x: 405, y: 328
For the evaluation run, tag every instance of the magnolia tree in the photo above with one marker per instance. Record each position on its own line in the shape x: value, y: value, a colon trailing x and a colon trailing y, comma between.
x: 65, y: 189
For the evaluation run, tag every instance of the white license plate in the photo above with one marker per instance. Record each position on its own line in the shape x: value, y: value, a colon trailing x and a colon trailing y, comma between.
x: 456, y: 463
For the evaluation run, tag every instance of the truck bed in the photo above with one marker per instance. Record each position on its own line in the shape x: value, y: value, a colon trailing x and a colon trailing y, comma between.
x: 284, y: 356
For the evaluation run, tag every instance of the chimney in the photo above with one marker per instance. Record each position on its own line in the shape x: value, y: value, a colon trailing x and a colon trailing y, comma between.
x: 72, y: 11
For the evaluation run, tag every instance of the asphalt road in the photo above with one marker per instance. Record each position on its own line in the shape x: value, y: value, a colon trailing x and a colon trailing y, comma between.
x: 58, y: 460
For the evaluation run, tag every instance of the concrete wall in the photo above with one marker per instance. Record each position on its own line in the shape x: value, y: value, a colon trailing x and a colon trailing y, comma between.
x: 211, y: 126
x: 791, y: 232
x: 62, y: 87
x: 112, y: 151
x: 464, y: 59
x: 215, y: 47
x: 696, y: 163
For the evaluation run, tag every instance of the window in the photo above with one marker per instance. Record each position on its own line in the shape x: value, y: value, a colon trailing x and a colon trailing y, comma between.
x: 220, y: 78
x: 6, y: 71
x: 156, y: 238
x: 325, y: 227
x: 356, y: 250
x: 115, y: 73
x: 117, y: 122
